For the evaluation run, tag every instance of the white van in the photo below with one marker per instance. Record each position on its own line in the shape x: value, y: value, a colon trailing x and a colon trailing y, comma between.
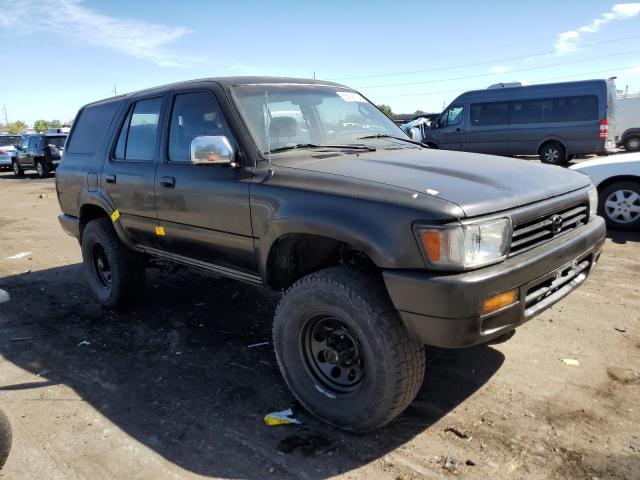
x: 625, y: 123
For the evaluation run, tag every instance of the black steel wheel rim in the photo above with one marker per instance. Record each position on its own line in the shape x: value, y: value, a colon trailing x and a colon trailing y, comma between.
x: 332, y: 354
x: 101, y: 265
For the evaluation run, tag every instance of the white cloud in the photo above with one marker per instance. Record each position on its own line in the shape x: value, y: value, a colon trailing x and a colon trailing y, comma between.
x: 71, y: 19
x: 568, y: 42
x: 500, y: 69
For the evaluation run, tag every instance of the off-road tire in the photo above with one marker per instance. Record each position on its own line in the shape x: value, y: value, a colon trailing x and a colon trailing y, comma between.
x: 126, y: 267
x: 553, y: 154
x: 5, y: 438
x: 41, y: 169
x: 394, y: 362
x: 17, y: 170
x: 608, y: 191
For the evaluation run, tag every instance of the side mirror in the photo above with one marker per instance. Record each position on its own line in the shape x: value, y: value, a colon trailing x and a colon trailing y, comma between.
x: 212, y: 150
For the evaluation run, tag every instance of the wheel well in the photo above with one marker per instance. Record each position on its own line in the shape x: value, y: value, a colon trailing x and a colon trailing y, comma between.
x: 550, y: 141
x: 620, y: 178
x: 90, y: 212
x: 293, y: 256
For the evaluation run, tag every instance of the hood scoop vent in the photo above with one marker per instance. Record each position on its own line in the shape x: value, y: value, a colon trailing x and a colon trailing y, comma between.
x: 321, y: 156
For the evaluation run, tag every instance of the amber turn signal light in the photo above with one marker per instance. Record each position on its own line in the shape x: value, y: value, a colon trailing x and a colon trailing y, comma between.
x: 431, y: 243
x: 499, y: 301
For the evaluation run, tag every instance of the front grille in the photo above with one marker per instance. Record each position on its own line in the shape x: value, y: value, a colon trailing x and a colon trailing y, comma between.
x: 534, y: 232
x: 553, y: 288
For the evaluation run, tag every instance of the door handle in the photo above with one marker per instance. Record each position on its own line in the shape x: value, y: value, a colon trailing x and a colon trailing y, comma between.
x: 110, y: 178
x: 167, y: 182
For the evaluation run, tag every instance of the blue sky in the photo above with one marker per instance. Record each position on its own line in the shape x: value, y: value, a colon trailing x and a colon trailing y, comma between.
x: 59, y: 54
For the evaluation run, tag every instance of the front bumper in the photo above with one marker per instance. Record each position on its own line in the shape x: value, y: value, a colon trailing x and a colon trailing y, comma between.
x: 70, y: 225
x: 5, y: 161
x: 445, y: 310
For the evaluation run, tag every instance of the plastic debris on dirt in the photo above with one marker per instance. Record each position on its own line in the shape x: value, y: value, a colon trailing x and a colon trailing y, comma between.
x: 281, y: 418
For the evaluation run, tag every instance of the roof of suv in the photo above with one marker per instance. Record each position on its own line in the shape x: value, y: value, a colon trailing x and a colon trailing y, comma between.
x: 232, y: 81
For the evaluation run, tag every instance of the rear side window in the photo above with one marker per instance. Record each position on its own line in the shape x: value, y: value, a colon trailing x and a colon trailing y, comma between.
x: 559, y: 109
x: 576, y: 109
x: 494, y: 113
x: 91, y: 127
x: 139, y: 133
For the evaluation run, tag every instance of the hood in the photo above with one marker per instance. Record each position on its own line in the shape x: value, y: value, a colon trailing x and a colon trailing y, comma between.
x: 478, y: 184
x: 621, y: 158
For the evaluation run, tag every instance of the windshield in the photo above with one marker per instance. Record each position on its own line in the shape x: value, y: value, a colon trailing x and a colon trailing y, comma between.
x: 57, y: 141
x: 285, y: 115
x: 10, y: 141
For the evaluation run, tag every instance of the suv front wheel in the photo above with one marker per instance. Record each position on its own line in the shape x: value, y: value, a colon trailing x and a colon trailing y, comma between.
x: 115, y: 274
x: 343, y: 350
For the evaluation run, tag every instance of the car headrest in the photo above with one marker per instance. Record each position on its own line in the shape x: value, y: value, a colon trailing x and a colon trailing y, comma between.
x: 283, y: 127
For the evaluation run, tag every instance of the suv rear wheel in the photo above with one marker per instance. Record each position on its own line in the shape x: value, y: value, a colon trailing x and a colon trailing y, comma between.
x: 553, y: 154
x: 115, y: 274
x: 619, y: 204
x: 41, y: 169
x: 17, y: 171
x: 343, y: 350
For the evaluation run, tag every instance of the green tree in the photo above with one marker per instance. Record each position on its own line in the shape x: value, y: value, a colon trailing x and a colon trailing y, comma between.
x: 55, y: 124
x: 41, y: 126
x: 419, y: 112
x: 386, y: 109
x: 16, y: 127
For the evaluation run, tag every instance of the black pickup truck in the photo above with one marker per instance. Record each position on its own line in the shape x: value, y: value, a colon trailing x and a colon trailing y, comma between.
x: 378, y: 244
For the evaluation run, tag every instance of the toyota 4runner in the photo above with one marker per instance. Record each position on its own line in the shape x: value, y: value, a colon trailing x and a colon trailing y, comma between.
x: 379, y: 245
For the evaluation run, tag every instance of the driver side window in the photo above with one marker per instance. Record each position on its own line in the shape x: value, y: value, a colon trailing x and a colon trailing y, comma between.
x: 453, y: 116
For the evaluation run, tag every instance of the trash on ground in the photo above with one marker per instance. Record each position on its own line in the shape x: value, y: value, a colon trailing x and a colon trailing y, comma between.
x: 21, y: 339
x: 635, y: 446
x: 471, y: 462
x: 281, y: 418
x: 4, y: 296
x: 450, y: 463
x: 43, y: 372
x: 620, y: 328
x: 456, y: 432
x: 258, y: 344
x: 18, y: 255
x: 572, y: 362
x: 84, y: 343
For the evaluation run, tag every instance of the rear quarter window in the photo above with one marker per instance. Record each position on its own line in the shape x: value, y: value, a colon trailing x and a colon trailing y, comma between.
x: 91, y: 127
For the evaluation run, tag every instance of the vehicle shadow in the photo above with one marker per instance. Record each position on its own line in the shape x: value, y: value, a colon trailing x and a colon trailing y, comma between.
x: 618, y: 236
x: 179, y: 373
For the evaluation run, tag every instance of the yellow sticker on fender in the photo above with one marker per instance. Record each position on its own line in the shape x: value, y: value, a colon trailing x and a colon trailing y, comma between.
x: 115, y: 215
x: 160, y: 231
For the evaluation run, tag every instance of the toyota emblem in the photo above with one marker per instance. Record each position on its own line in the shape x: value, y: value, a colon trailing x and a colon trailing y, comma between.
x: 556, y: 223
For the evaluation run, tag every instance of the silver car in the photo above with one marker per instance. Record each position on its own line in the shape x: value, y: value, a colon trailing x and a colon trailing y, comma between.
x: 7, y: 149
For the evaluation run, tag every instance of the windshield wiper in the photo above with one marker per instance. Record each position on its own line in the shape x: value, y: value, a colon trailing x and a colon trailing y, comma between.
x: 313, y: 145
x: 384, y: 135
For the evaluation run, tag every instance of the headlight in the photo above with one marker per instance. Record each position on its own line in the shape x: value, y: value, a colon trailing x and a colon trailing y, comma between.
x: 593, y: 202
x: 465, y: 246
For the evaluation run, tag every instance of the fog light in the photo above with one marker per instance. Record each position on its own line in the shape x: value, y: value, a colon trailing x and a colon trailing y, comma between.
x: 499, y: 301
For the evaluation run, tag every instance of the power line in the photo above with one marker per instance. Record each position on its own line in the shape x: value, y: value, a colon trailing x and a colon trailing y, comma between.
x: 463, y: 65
x: 404, y: 84
x: 536, y: 82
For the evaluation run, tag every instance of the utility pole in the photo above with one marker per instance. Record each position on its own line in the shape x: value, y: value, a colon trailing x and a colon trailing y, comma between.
x: 115, y: 92
x: 314, y: 74
x: 6, y: 119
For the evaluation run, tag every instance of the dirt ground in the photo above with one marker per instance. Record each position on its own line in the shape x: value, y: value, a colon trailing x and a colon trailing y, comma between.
x: 173, y: 389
